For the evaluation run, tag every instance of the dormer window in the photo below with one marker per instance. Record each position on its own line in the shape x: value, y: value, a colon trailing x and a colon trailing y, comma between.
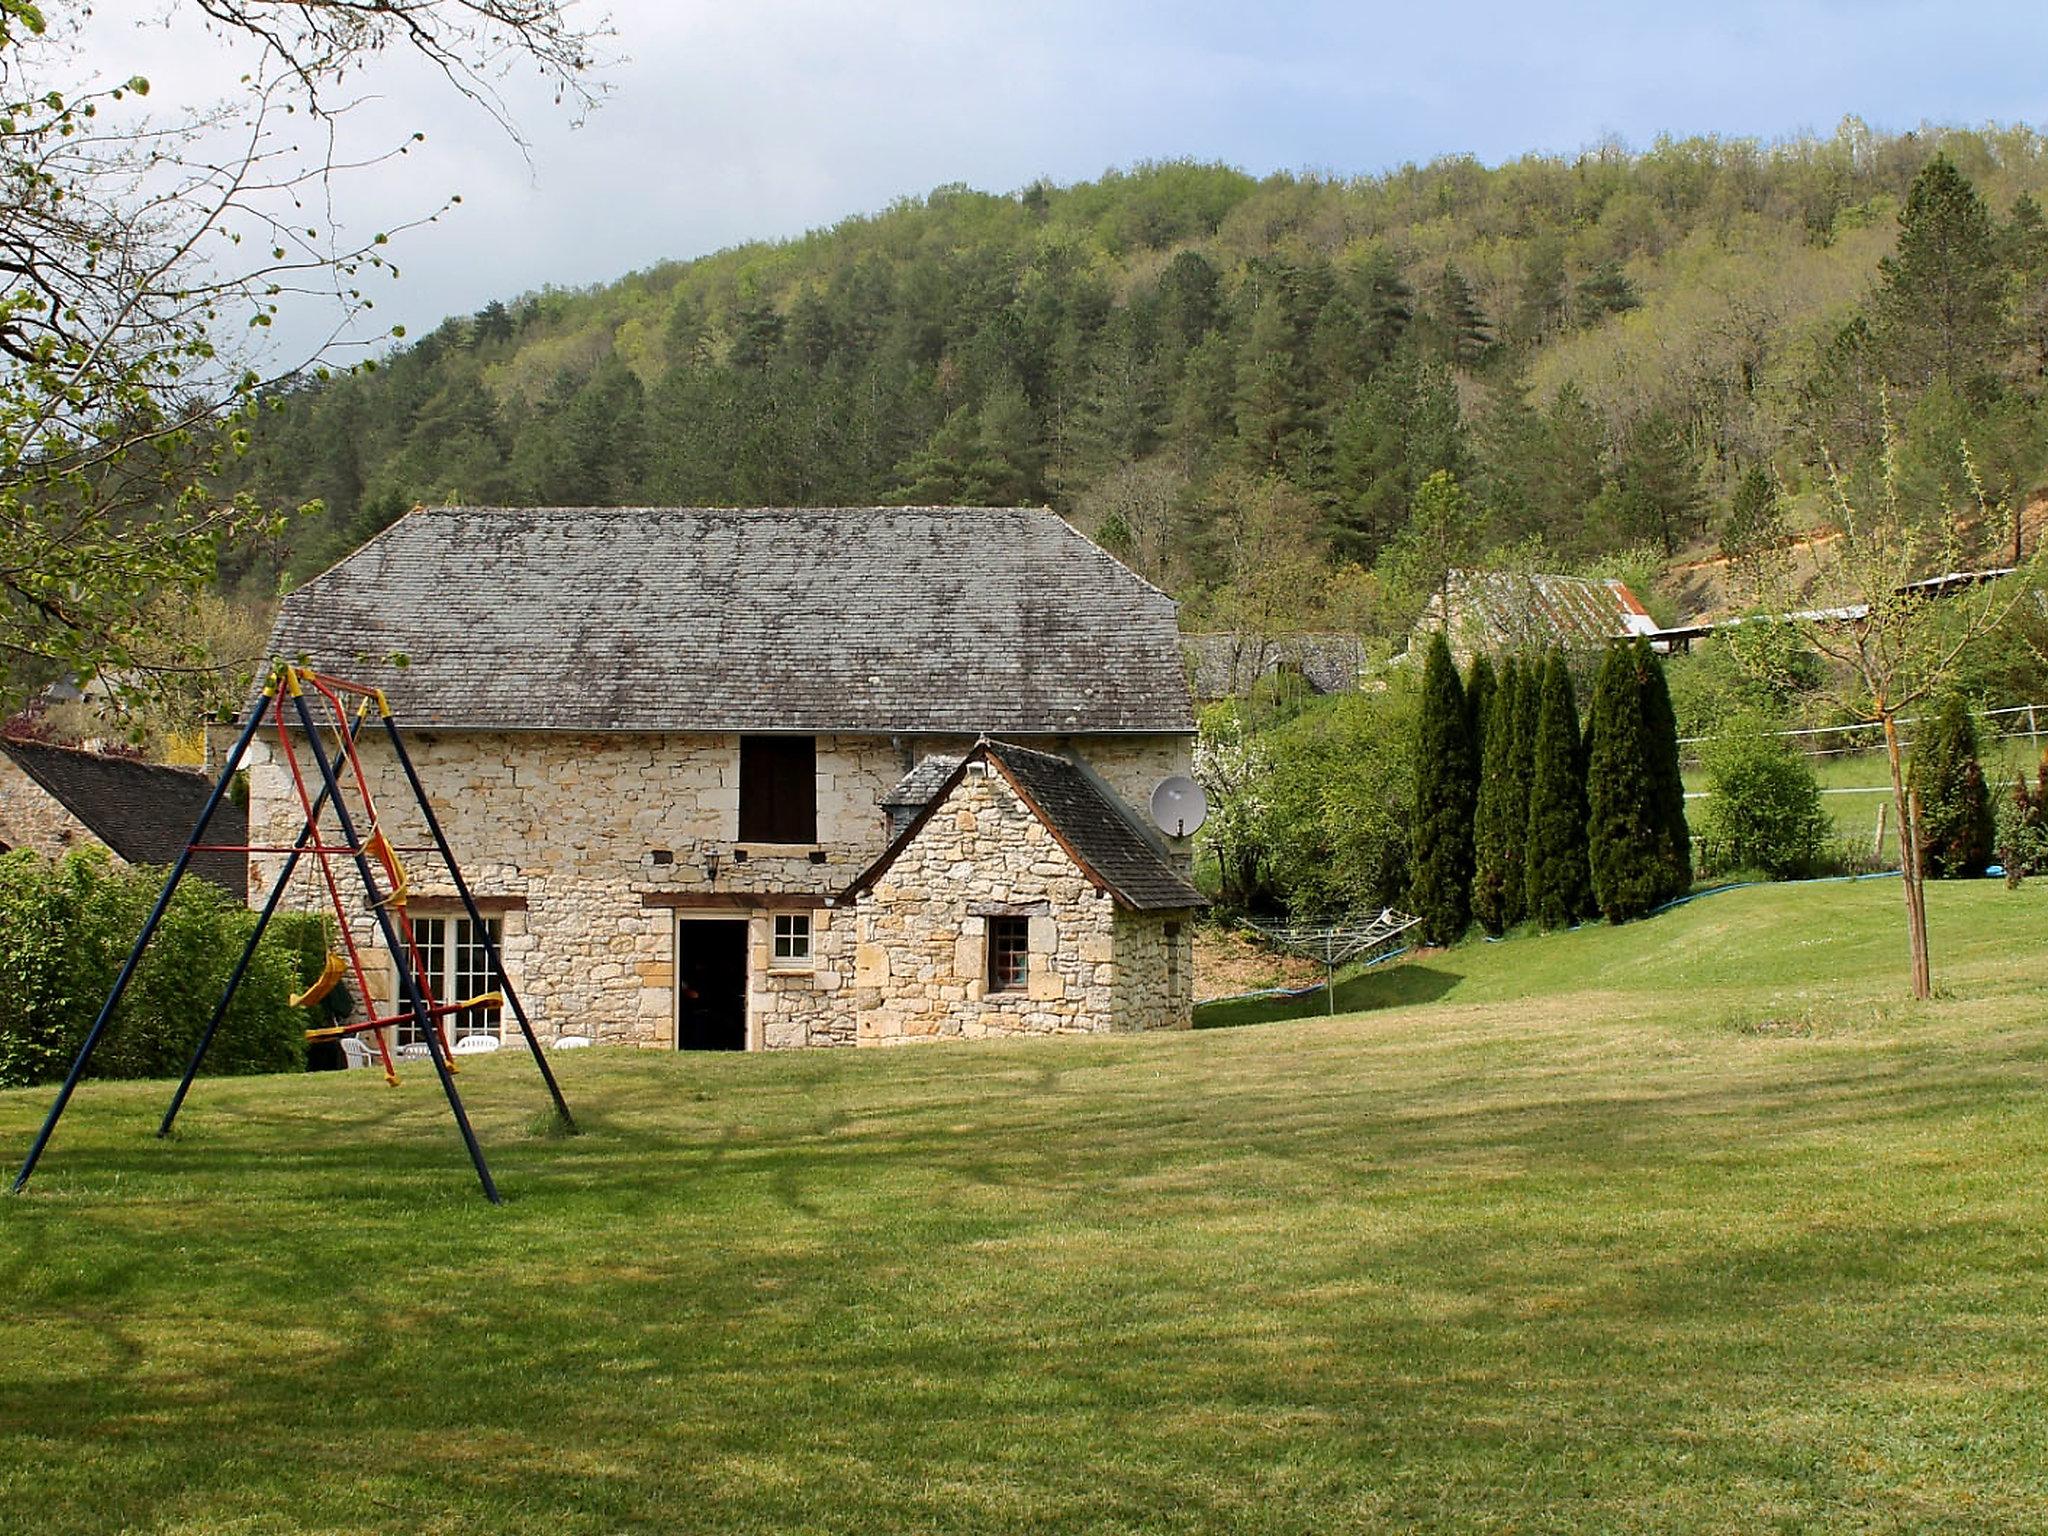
x: 778, y: 789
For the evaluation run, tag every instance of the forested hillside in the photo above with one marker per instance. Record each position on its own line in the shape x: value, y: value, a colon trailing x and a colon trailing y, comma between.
x: 1289, y: 400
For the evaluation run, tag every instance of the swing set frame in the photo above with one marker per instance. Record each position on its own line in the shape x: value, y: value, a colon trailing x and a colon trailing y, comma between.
x: 319, y: 707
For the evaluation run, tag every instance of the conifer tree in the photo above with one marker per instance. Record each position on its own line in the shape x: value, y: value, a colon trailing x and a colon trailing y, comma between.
x: 1480, y: 684
x: 1560, y: 888
x: 1522, y: 759
x: 1441, y: 889
x: 1667, y: 778
x: 1956, y: 831
x: 1501, y: 818
x: 1624, y: 830
x: 1940, y: 295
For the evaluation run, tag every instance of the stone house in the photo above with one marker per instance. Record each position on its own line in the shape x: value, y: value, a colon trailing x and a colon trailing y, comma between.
x: 54, y: 799
x: 689, y: 759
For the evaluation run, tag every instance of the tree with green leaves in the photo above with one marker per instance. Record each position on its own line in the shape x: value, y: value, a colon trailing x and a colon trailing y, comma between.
x: 1481, y: 683
x: 1462, y: 329
x: 1940, y: 298
x: 1667, y: 777
x: 1559, y: 882
x: 1629, y: 830
x: 142, y: 260
x: 1440, y: 884
x: 1500, y: 820
x: 1947, y: 781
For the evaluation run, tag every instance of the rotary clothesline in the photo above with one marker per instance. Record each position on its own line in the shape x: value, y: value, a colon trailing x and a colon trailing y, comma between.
x: 1337, y: 944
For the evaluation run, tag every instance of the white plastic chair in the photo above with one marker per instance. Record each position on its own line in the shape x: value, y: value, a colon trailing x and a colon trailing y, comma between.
x: 477, y: 1045
x: 571, y: 1043
x: 357, y: 1052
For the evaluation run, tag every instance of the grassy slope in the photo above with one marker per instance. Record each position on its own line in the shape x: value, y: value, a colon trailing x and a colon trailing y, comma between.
x: 1686, y: 1226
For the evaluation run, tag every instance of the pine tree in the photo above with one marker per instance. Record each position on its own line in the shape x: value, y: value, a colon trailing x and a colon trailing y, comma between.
x: 1667, y: 778
x: 1440, y: 892
x: 1956, y: 832
x: 1624, y: 831
x: 1502, y: 816
x: 1480, y: 684
x: 1560, y: 890
x: 1461, y: 325
x: 1940, y: 299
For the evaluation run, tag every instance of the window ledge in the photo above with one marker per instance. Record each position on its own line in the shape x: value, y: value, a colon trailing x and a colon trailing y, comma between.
x: 779, y: 850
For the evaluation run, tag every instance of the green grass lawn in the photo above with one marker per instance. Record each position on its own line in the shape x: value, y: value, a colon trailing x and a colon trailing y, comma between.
x: 1687, y: 1226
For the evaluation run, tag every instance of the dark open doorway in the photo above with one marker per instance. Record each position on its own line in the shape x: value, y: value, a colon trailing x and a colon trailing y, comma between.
x: 711, y: 985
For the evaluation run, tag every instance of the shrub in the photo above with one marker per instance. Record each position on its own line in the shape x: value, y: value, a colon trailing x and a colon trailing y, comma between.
x: 2022, y: 826
x: 65, y: 929
x: 1956, y: 829
x: 1763, y: 808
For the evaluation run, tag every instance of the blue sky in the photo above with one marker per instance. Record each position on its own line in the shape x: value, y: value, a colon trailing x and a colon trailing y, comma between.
x: 758, y: 118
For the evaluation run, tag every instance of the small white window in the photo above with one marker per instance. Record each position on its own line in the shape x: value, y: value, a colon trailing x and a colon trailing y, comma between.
x: 792, y: 939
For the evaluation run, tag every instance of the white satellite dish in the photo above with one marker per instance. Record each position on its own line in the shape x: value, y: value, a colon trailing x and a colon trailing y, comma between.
x: 1178, y: 806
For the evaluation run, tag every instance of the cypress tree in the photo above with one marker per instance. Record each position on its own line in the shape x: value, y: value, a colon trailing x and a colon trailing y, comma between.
x: 1501, y: 819
x: 1560, y: 888
x: 1667, y: 779
x: 1624, y: 831
x: 1480, y: 684
x: 1956, y: 832
x: 1440, y: 892
x: 1522, y: 759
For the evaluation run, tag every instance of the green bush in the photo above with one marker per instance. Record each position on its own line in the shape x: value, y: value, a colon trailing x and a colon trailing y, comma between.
x: 1763, y: 808
x: 1956, y: 830
x: 2022, y: 823
x: 65, y: 929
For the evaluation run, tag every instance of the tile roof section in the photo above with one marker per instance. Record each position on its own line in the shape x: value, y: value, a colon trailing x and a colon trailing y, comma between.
x: 929, y: 619
x: 143, y: 811
x: 1088, y: 821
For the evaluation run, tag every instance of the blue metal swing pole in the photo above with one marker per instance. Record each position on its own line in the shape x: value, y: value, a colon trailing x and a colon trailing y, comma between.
x: 220, y: 1009
x: 149, y: 927
x: 477, y: 923
x: 410, y: 982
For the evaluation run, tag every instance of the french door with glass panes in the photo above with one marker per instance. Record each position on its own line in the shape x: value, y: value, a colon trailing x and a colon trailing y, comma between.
x: 458, y: 966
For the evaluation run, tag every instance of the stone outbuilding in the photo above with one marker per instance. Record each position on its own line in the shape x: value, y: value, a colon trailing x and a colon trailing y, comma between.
x: 1019, y: 899
x: 54, y: 799
x: 672, y: 746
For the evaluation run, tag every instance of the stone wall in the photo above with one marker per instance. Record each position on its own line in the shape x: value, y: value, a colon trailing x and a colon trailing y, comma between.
x: 911, y: 957
x: 31, y: 817
x: 578, y: 840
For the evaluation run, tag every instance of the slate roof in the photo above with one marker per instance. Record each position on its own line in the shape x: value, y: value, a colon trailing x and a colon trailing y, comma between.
x: 142, y: 811
x: 916, y: 788
x: 961, y: 620
x: 1087, y: 821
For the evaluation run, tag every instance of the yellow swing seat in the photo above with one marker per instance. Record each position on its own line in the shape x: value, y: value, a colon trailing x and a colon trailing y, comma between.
x: 324, y: 983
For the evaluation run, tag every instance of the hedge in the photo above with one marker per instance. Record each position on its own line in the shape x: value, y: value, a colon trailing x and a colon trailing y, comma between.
x: 65, y: 929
